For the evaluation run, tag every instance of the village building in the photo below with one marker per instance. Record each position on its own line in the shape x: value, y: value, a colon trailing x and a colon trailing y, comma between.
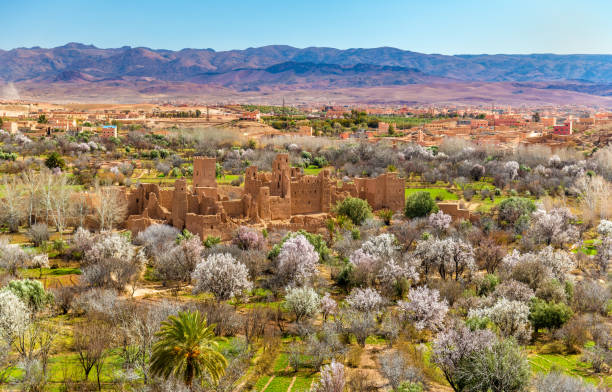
x: 283, y: 198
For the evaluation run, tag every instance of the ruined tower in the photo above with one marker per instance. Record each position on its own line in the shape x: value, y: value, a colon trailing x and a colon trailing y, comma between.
x: 204, y: 172
x: 281, y: 176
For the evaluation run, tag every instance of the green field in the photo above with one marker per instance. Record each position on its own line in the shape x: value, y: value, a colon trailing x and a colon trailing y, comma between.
x: 436, y: 193
x: 569, y: 364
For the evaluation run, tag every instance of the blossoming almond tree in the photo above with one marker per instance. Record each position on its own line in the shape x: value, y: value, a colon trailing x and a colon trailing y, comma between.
x: 221, y: 275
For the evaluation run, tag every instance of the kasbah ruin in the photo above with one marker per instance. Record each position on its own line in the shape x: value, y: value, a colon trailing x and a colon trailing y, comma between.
x: 284, y: 198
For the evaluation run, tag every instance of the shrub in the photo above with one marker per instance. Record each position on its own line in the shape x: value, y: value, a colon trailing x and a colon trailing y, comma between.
x: 155, y: 238
x: 559, y: 382
x: 303, y: 302
x: 31, y: 292
x: 211, y: 241
x: 501, y: 368
x: 549, y: 315
x: 55, y: 160
x: 515, y: 212
x: 420, y: 204
x: 386, y: 216
x: 248, y: 239
x: 395, y: 368
x: 38, y: 233
x: 356, y: 209
x: 14, y: 315
x: 486, y: 284
x: 590, y: 296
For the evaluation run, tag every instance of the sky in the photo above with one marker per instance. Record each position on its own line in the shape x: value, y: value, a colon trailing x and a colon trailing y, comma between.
x: 433, y: 26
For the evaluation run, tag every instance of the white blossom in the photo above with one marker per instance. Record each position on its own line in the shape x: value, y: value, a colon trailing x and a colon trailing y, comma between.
x: 425, y: 308
x: 302, y: 301
x: 449, y: 256
x: 332, y: 378
x: 112, y: 261
x: 328, y: 305
x: 440, y: 221
x: 382, y: 246
x: 605, y: 228
x: 365, y: 300
x: 12, y: 257
x: 558, y: 263
x: 512, y: 168
x: 221, y: 275
x: 452, y: 346
x: 511, y: 317
x: 14, y: 315
x: 392, y: 272
x: 297, y: 260
x: 553, y: 227
x: 365, y: 266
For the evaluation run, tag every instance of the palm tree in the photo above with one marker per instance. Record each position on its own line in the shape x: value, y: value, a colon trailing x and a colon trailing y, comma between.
x: 187, y: 349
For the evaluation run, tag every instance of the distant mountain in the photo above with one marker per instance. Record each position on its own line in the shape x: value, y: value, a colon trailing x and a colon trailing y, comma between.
x: 277, y: 67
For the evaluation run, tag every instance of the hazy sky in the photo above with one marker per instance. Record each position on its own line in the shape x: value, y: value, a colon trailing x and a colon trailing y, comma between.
x: 433, y: 26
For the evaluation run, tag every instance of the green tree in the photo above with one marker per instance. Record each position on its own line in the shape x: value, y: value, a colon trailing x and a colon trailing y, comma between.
x: 515, y: 212
x: 55, y: 160
x: 42, y: 119
x: 549, y: 315
x: 420, y: 204
x: 187, y: 349
x: 356, y: 209
x: 31, y: 292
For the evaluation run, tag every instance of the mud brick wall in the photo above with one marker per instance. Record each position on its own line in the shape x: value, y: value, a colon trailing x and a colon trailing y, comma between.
x: 280, y: 208
x: 233, y: 208
x: 204, y: 172
x: 454, y: 211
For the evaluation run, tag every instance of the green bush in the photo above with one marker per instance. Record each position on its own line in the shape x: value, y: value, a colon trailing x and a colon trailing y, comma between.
x: 487, y: 284
x: 31, y: 292
x: 420, y: 204
x: 548, y: 315
x: 55, y: 160
x: 515, y: 212
x: 211, y: 241
x: 356, y: 209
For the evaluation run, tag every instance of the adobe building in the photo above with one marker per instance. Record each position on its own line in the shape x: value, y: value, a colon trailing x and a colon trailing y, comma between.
x: 284, y: 198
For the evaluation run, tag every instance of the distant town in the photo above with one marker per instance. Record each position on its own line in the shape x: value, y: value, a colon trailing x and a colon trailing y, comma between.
x: 428, y: 126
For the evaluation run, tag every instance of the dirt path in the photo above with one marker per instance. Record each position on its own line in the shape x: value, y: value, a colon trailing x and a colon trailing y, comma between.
x: 291, y: 385
x: 268, y: 383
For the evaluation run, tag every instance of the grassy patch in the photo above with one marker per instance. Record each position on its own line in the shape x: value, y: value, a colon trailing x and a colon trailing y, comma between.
x: 227, y: 179
x: 312, y: 170
x: 436, y: 193
x: 62, y: 271
x: 569, y: 364
x: 279, y: 384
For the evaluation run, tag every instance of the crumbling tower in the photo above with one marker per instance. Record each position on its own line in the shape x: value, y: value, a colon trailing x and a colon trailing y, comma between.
x: 281, y: 177
x: 204, y: 172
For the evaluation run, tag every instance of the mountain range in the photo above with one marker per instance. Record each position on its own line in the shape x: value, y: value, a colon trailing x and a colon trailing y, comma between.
x: 78, y: 70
